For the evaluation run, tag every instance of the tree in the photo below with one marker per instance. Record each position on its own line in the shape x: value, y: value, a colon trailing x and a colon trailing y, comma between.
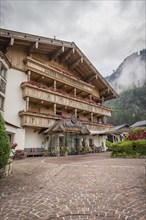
x: 4, y: 144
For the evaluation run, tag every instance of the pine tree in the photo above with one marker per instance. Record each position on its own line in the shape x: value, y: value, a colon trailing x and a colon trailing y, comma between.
x: 4, y: 144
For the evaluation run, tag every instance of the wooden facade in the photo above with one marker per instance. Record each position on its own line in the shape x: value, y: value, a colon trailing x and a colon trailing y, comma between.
x: 60, y: 82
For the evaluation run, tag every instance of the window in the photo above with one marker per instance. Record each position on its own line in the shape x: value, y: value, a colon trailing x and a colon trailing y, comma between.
x: 2, y: 70
x: 1, y: 103
x: 2, y: 86
x: 90, y: 142
x: 11, y: 137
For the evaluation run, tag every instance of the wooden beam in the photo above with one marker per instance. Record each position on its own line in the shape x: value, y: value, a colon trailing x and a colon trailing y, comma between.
x: 58, y: 52
x: 32, y: 47
x: 92, y: 78
x: 10, y: 44
x: 65, y: 55
x: 104, y: 91
x: 75, y: 63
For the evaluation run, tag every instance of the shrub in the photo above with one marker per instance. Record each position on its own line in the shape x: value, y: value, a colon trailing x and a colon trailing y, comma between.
x: 115, y: 147
x: 4, y: 144
x: 108, y: 144
x: 140, y: 146
x: 129, y: 148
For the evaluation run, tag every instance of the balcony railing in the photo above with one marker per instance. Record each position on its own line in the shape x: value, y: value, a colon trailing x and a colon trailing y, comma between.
x: 32, y: 119
x: 38, y: 91
x: 60, y: 75
x: 38, y: 119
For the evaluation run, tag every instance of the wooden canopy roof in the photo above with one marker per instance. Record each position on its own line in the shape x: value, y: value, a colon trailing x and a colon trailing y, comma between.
x: 64, y: 52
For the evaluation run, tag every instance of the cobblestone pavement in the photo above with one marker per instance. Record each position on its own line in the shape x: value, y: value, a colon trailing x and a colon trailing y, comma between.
x: 74, y: 187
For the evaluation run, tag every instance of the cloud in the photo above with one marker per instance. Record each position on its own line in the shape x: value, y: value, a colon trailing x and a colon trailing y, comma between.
x: 132, y: 73
x: 106, y: 31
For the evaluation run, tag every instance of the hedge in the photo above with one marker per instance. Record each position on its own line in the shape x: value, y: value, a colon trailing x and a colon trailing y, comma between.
x: 129, y: 148
x: 140, y: 146
x: 4, y: 144
x: 108, y: 144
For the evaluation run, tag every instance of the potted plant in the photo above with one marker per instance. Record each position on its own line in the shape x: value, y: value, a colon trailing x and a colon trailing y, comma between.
x: 64, y: 151
x: 85, y: 150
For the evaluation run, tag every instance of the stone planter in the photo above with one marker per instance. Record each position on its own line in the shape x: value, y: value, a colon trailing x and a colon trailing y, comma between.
x: 7, y: 170
x: 65, y: 153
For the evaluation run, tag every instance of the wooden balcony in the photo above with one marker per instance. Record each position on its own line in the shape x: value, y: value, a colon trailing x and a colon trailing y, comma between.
x: 65, y: 77
x: 44, y: 120
x: 35, y: 120
x: 44, y: 94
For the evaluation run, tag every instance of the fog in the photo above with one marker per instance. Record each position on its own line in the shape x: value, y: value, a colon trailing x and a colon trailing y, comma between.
x: 133, y: 73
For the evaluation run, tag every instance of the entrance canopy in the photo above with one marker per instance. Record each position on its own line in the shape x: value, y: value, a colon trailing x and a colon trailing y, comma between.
x: 67, y: 126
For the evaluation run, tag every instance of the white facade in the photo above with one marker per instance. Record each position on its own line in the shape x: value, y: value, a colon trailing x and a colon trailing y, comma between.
x: 13, y: 104
x: 33, y: 139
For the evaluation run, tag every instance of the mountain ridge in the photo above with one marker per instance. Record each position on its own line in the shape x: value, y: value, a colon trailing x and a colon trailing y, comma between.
x: 130, y: 106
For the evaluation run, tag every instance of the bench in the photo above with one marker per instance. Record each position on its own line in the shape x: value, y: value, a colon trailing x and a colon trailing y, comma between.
x: 35, y: 151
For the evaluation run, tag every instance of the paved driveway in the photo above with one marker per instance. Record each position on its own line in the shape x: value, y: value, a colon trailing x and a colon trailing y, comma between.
x: 75, y: 187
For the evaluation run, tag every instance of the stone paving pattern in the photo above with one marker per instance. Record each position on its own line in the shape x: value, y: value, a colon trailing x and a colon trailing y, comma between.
x: 74, y: 187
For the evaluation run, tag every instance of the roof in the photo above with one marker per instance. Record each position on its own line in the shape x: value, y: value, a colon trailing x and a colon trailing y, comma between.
x: 65, y: 52
x: 139, y: 124
x: 119, y: 127
x: 65, y: 125
x: 12, y: 125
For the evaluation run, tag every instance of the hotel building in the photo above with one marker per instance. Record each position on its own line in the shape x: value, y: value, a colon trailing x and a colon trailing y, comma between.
x: 51, y: 95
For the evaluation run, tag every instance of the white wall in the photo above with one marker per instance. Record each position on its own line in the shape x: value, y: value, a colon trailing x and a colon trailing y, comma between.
x: 33, y: 139
x: 99, y: 141
x: 14, y: 103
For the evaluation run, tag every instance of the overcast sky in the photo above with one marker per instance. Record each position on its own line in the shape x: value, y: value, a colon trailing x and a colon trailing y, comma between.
x: 106, y: 31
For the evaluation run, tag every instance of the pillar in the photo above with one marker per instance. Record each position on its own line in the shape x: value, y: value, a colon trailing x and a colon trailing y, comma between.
x: 28, y: 75
x: 27, y: 103
x: 0, y: 65
x: 75, y: 92
x: 57, y: 145
x: 104, y: 119
x: 75, y: 112
x: 54, y: 85
x: 54, y: 109
x: 85, y: 141
x: 90, y: 97
x: 91, y: 116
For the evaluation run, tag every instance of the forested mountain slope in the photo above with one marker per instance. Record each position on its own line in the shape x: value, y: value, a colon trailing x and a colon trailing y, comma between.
x: 131, y: 104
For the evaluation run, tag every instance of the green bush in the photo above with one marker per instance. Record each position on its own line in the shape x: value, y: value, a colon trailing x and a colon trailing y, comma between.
x: 108, y: 144
x: 129, y: 148
x: 4, y: 144
x: 115, y: 147
x: 140, y: 146
x: 126, y: 147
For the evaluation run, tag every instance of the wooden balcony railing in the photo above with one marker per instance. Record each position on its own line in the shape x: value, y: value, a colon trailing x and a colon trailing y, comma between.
x: 60, y: 75
x: 46, y: 94
x: 31, y: 119
x: 42, y: 120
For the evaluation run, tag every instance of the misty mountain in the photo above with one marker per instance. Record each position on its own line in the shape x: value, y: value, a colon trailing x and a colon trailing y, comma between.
x: 132, y: 71
x: 130, y: 107
x: 129, y: 81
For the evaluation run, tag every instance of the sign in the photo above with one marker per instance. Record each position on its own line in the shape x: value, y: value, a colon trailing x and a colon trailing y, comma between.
x: 74, y: 119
